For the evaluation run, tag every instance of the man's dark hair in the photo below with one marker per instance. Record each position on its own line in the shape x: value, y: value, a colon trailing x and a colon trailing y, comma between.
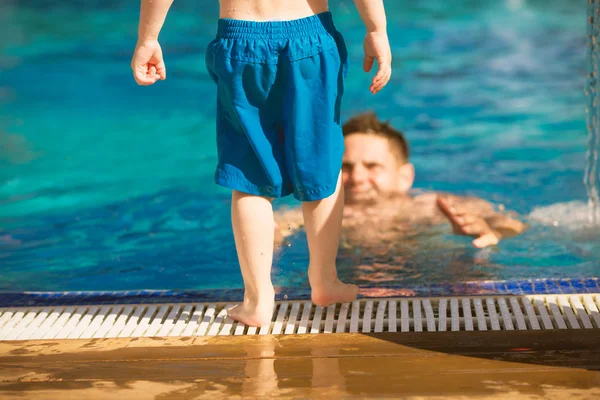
x: 369, y: 124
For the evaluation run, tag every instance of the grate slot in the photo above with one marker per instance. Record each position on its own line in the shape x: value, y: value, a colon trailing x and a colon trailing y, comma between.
x: 380, y: 316
x: 543, y: 312
x: 83, y: 323
x: 591, y: 308
x: 481, y: 322
x: 518, y: 313
x: 291, y: 322
x: 507, y: 319
x: 306, y: 311
x: 442, y: 317
x: 96, y: 322
x: 342, y: 318
x: 565, y: 307
x: 555, y: 310
x: 207, y: 319
x: 367, y: 316
x: 228, y: 323
x: 46, y: 325
x: 329, y: 319
x: 278, y: 325
x: 392, y: 316
x: 169, y: 322
x: 581, y: 313
x: 195, y: 320
x: 404, y: 317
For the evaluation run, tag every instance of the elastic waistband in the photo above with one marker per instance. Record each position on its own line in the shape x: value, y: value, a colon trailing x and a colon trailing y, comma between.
x: 235, y: 28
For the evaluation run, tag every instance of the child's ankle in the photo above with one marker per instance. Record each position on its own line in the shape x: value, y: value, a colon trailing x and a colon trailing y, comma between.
x: 320, y: 276
x: 255, y: 297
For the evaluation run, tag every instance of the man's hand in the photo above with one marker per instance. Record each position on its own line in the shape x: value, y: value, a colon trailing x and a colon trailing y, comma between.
x: 377, y: 47
x: 467, y: 224
x: 147, y: 63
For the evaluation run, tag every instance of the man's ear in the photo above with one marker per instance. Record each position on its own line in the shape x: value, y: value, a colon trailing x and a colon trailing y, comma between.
x: 407, y: 177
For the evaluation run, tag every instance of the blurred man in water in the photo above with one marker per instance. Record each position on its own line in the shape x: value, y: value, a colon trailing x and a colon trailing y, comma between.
x: 378, y: 176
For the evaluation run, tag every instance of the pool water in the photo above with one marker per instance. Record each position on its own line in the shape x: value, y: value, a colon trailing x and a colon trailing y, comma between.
x: 105, y: 185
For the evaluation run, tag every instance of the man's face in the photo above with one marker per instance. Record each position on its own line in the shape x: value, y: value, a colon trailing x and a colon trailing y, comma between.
x: 370, y: 170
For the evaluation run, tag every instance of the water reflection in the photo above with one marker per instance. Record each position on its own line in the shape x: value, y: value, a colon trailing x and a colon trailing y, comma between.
x: 265, y: 365
x: 260, y: 377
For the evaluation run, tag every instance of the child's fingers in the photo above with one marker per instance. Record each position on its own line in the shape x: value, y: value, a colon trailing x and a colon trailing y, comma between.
x: 383, y: 76
x: 380, y: 81
x: 377, y: 88
x: 368, y: 63
x: 161, y: 70
x: 142, y: 77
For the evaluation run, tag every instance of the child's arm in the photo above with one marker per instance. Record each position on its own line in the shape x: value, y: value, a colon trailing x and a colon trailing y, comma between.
x: 152, y: 18
x: 376, y: 44
x: 147, y: 63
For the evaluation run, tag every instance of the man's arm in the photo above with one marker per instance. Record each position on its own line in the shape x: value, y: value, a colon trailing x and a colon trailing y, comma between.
x: 376, y: 43
x: 505, y: 225
x: 502, y: 223
x: 477, y: 218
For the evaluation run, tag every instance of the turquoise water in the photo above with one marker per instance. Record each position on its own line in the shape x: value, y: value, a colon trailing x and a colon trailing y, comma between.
x: 105, y: 185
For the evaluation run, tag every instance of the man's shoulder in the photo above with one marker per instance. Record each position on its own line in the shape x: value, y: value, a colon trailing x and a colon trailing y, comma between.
x: 427, y: 197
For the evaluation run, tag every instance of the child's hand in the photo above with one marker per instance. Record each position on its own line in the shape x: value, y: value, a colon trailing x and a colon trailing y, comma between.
x: 377, y: 47
x: 147, y: 63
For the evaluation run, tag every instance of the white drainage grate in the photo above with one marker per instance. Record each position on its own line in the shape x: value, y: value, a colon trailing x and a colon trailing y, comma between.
x: 536, y: 312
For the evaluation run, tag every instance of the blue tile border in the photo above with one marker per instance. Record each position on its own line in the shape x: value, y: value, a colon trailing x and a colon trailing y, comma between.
x: 472, y: 288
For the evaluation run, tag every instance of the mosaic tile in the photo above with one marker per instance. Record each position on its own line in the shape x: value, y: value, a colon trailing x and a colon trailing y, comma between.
x: 589, y: 285
x: 526, y: 287
x: 539, y: 287
x: 473, y: 289
x: 458, y: 288
x: 435, y: 289
x: 422, y: 291
x: 447, y: 289
x: 500, y: 288
x: 552, y: 287
x: 577, y: 285
x: 487, y: 287
x: 513, y: 287
x: 566, y: 287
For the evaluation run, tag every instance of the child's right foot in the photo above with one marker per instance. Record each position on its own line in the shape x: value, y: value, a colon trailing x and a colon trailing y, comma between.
x: 253, y: 315
x: 325, y: 294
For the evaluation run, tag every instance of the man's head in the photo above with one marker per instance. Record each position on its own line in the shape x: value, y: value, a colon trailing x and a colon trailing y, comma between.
x: 375, y: 160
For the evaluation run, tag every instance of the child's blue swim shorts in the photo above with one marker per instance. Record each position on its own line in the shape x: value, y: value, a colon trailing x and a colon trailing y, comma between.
x: 279, y: 89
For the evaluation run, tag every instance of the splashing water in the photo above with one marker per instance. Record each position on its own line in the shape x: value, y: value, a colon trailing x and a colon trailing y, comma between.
x: 592, y: 170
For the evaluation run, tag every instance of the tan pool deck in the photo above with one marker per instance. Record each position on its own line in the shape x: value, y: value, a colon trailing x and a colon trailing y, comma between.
x: 496, y: 365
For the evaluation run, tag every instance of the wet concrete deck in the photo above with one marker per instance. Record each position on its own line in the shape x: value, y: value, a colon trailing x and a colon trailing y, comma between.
x: 528, y: 365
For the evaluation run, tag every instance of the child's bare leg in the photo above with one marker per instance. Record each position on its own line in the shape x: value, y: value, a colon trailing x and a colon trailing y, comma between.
x: 323, y: 222
x: 253, y: 229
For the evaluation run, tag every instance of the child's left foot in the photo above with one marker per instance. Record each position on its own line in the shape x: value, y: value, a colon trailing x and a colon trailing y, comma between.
x: 257, y: 315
